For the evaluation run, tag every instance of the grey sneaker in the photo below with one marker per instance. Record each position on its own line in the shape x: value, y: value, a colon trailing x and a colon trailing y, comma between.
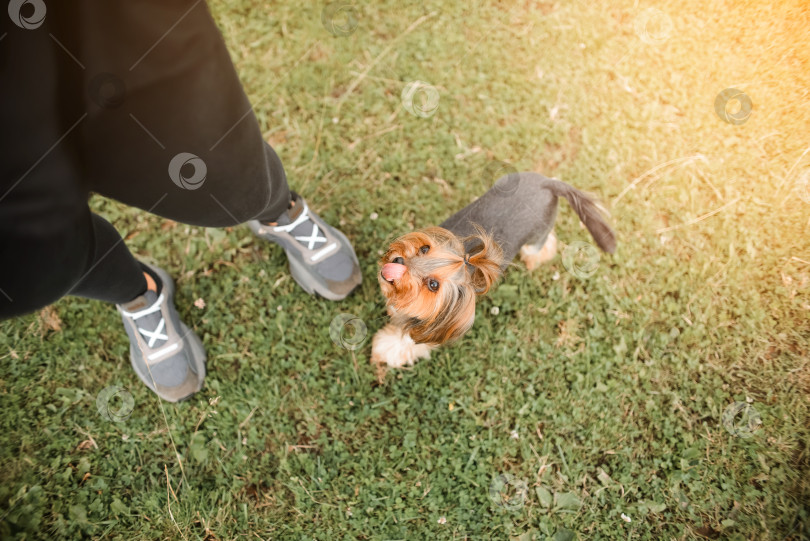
x: 321, y: 258
x: 167, y: 356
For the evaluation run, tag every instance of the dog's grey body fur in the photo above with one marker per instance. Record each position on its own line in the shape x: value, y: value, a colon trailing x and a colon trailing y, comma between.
x: 521, y: 208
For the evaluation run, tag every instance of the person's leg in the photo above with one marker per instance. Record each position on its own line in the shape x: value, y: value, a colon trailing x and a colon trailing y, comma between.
x: 169, y: 127
x: 170, y: 130
x: 51, y: 245
x: 111, y: 273
x: 202, y: 162
x: 84, y: 256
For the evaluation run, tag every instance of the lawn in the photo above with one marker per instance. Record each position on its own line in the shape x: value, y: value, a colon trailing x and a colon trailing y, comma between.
x: 662, y: 394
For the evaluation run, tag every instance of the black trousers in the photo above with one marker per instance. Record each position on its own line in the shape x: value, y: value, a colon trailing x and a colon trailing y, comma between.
x: 134, y: 100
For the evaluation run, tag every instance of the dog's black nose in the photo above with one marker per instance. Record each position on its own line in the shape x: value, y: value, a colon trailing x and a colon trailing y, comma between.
x: 398, y: 260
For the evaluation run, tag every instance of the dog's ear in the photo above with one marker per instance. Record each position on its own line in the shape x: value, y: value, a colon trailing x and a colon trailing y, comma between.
x: 486, y: 258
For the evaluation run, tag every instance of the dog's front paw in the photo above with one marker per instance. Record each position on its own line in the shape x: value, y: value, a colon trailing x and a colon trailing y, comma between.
x: 395, y: 348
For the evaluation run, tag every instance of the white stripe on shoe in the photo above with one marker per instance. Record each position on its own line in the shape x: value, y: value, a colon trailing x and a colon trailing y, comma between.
x: 329, y: 249
x: 167, y: 349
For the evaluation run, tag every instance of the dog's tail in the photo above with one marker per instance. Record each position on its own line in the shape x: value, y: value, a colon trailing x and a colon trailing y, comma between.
x: 590, y: 212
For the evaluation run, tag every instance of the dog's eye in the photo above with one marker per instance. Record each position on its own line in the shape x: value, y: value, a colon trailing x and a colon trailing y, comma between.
x: 433, y: 284
x: 424, y: 249
x: 399, y: 260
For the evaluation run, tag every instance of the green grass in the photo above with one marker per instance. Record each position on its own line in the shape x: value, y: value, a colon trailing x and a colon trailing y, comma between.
x: 615, y: 385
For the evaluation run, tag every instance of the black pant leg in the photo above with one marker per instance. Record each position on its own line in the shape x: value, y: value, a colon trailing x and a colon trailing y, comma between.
x: 169, y: 127
x: 50, y: 244
x: 111, y: 272
x: 67, y: 129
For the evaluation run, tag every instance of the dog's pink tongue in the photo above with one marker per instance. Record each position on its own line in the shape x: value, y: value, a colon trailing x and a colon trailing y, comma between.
x: 393, y: 271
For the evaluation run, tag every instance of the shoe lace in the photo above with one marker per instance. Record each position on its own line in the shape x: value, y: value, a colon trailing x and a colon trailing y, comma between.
x: 307, y: 240
x: 158, y: 333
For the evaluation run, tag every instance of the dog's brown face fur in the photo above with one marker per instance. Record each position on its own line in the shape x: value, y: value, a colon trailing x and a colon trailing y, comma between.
x: 433, y: 297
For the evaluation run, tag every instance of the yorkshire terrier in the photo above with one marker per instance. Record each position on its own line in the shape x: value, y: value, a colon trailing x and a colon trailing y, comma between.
x: 430, y: 278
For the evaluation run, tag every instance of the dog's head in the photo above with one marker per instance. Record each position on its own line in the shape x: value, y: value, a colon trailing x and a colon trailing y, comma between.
x: 430, y: 282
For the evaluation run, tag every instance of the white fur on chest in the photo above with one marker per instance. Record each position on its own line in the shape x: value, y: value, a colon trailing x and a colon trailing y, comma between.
x: 394, y: 347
